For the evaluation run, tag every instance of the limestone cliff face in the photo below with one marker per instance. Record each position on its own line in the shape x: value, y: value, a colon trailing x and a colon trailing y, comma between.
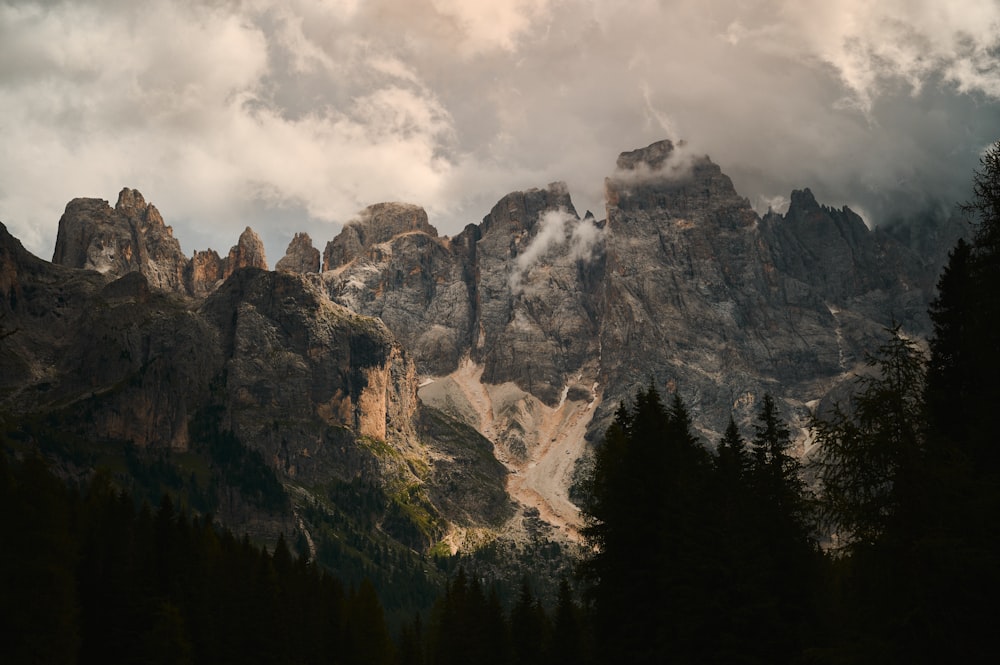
x: 513, y: 295
x: 305, y: 376
x: 300, y: 256
x: 683, y: 284
x: 376, y: 224
x: 517, y: 286
x: 693, y: 298
x: 536, y: 265
x: 204, y: 273
x: 140, y: 367
x: 132, y: 236
x: 529, y: 328
x: 322, y: 392
x: 702, y: 294
x: 834, y: 255
x: 114, y: 359
x: 39, y: 305
x: 248, y: 252
x: 415, y: 282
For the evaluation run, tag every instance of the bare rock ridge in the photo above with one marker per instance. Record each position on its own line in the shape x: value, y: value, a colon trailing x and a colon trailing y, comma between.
x: 133, y: 237
x: 683, y: 284
x: 552, y: 303
x: 376, y: 224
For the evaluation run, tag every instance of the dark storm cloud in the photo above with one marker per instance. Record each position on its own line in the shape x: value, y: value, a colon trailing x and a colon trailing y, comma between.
x: 293, y: 115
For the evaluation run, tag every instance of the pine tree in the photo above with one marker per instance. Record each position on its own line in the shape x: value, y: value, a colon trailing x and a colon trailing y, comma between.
x: 869, y: 455
x: 732, y: 460
x: 775, y: 472
x: 950, y: 389
x: 567, y: 647
x: 652, y: 527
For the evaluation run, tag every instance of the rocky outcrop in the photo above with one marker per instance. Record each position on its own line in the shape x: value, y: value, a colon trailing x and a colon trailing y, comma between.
x: 300, y: 257
x: 832, y: 254
x: 40, y: 305
x: 109, y: 359
x: 702, y: 294
x: 248, y: 252
x: 204, y: 273
x: 132, y: 236
x: 322, y: 373
x: 417, y: 283
x: 537, y: 265
x: 693, y: 299
x: 266, y: 360
x: 376, y: 224
x: 830, y: 250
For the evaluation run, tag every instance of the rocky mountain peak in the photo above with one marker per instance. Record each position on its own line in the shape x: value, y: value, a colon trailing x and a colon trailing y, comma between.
x: 131, y: 202
x: 375, y: 224
x: 665, y: 177
x: 518, y: 212
x: 133, y: 206
x: 131, y: 236
x: 803, y: 200
x: 300, y: 256
x: 248, y: 252
x: 652, y: 156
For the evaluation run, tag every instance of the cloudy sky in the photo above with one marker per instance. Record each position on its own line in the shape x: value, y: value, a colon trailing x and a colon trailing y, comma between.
x: 295, y: 114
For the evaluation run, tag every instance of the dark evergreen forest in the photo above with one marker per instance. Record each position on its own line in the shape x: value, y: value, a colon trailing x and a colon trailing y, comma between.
x: 891, y: 556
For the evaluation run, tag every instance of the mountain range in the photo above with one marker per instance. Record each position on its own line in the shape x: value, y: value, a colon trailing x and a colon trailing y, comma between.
x: 464, y: 380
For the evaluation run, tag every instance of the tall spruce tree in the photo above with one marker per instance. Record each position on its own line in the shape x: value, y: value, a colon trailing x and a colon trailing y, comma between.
x: 649, y: 524
x: 950, y: 389
x: 775, y: 473
x: 869, y: 453
x: 732, y: 460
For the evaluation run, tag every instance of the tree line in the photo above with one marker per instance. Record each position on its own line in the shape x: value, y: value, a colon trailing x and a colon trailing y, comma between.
x: 89, y: 578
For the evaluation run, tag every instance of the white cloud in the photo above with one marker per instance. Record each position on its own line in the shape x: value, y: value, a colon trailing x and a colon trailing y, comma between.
x: 497, y: 24
x: 558, y: 231
x: 305, y: 111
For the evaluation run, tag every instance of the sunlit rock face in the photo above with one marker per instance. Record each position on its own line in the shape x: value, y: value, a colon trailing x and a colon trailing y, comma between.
x: 248, y: 252
x: 304, y: 375
x: 534, y: 325
x: 376, y: 224
x: 204, y: 273
x: 392, y: 265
